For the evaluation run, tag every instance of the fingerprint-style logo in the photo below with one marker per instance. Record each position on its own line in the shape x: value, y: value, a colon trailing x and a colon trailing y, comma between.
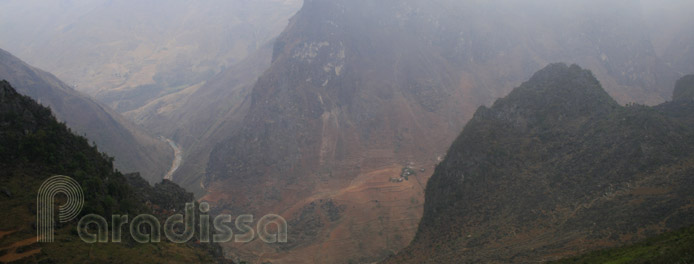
x: 45, y: 202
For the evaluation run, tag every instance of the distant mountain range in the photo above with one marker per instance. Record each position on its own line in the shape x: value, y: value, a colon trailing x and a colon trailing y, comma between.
x: 127, y: 54
x: 134, y: 149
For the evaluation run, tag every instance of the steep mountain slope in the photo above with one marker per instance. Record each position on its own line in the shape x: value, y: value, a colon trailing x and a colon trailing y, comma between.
x: 198, y: 119
x: 359, y: 90
x: 329, y: 121
x: 319, y: 68
x: 33, y: 147
x: 129, y: 53
x: 554, y: 169
x: 134, y: 150
x: 671, y: 247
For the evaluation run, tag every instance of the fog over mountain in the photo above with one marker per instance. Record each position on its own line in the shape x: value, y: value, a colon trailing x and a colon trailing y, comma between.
x: 334, y: 114
x: 672, y: 31
x: 128, y: 53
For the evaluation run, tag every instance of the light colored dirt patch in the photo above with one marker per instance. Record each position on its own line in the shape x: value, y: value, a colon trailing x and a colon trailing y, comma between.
x: 5, y: 233
x: 380, y: 218
x: 12, y: 254
x: 649, y: 191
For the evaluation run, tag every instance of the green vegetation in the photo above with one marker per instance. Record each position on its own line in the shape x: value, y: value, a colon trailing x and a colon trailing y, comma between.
x: 34, y: 147
x: 671, y: 247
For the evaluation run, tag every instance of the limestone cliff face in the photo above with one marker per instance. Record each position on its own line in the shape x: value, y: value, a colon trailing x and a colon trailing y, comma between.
x: 342, y: 95
x: 399, y: 78
x: 357, y: 86
x: 554, y: 169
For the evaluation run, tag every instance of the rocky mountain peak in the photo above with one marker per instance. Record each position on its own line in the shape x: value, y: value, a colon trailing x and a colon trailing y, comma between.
x: 559, y: 158
x: 557, y: 93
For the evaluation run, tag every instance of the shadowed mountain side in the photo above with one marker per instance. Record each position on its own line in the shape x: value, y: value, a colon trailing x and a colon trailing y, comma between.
x: 554, y: 169
x: 331, y: 67
x: 201, y: 117
x: 358, y: 87
x: 329, y: 98
x: 134, y: 149
x: 35, y: 146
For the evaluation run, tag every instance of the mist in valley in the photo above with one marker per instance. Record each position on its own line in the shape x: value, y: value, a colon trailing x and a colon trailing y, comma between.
x: 396, y: 131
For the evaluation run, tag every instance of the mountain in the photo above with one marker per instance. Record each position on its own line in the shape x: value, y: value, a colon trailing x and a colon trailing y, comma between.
x: 35, y: 146
x: 328, y: 125
x: 672, y: 32
x: 127, y: 54
x: 671, y: 247
x: 199, y: 119
x: 134, y: 149
x: 684, y: 89
x: 360, y: 93
x: 554, y: 169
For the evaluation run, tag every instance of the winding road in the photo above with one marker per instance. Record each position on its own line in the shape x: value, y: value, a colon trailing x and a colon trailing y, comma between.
x: 178, y: 158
